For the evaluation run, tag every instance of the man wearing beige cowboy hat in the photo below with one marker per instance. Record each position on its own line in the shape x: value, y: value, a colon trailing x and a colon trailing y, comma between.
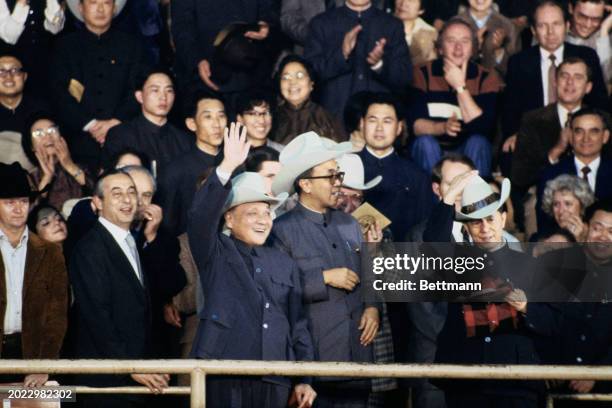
x: 499, y: 331
x: 253, y: 308
x: 326, y: 245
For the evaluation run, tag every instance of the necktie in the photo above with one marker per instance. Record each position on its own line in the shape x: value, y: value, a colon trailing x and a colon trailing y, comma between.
x: 552, y: 79
x: 585, y: 173
x: 129, y: 239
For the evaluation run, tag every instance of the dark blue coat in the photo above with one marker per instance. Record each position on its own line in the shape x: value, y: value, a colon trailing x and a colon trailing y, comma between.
x: 338, y: 78
x: 404, y: 195
x: 246, y: 316
x: 318, y: 243
x: 524, y: 89
x: 603, y: 186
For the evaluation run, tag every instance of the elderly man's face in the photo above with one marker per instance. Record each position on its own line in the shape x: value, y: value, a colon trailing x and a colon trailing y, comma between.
x: 97, y: 14
x: 573, y: 83
x: 12, y: 77
x: 457, y: 44
x: 549, y: 27
x: 487, y: 232
x: 587, y: 17
x: 14, y: 213
x: 599, y: 236
x: 120, y: 200
x: 323, y: 186
x: 250, y: 223
x: 588, y: 136
x: 145, y: 191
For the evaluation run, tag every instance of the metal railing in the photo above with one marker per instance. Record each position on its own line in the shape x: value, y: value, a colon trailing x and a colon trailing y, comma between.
x: 199, y: 369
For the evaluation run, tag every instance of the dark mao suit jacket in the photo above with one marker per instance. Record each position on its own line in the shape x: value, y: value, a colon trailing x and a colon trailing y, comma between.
x: 247, y: 315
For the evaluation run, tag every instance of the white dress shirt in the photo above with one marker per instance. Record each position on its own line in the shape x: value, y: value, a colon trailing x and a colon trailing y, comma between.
x: 12, y: 23
x: 389, y: 153
x: 564, y: 113
x: 14, y: 270
x: 592, y: 176
x: 119, y: 234
x: 545, y: 65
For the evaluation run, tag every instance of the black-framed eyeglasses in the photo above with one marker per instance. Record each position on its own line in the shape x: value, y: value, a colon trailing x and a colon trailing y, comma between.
x: 333, y: 178
x: 15, y: 71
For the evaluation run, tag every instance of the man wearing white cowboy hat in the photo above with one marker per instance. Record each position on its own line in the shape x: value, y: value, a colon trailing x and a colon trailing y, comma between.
x: 351, y: 196
x: 485, y: 333
x: 326, y: 244
x: 93, y: 77
x: 253, y: 308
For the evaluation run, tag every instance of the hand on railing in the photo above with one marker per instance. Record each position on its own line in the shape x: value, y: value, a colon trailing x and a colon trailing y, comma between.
x: 155, y: 382
x: 35, y: 380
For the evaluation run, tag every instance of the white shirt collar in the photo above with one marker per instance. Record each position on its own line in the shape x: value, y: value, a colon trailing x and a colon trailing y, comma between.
x: 118, y: 233
x: 482, y: 22
x: 558, y: 54
x: 564, y: 113
x: 594, y: 165
x: 22, y: 240
x: 389, y: 153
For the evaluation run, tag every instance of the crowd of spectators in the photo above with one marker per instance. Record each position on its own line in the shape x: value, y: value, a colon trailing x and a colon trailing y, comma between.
x: 177, y: 179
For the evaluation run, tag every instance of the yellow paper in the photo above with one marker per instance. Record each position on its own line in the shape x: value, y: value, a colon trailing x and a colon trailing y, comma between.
x: 366, y: 216
x: 76, y: 90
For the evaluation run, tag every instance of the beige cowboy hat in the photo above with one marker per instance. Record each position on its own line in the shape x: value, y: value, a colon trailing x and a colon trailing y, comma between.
x: 73, y: 5
x: 301, y: 154
x: 249, y: 187
x: 354, y: 176
x: 479, y: 200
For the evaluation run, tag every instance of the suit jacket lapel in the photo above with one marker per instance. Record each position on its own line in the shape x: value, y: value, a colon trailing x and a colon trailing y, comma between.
x: 34, y: 257
x: 121, y: 261
x: 2, y: 293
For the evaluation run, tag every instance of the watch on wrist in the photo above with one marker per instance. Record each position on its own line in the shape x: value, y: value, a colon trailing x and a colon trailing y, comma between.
x: 460, y: 89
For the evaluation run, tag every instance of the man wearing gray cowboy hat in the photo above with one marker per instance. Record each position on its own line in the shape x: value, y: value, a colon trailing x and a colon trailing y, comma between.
x: 33, y: 281
x: 92, y: 79
x: 499, y: 331
x: 326, y: 245
x: 253, y: 308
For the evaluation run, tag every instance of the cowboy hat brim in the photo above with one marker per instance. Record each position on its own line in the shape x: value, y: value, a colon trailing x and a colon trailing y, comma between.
x: 73, y: 5
x: 247, y: 195
x: 489, y: 209
x: 370, y: 184
x: 283, y: 182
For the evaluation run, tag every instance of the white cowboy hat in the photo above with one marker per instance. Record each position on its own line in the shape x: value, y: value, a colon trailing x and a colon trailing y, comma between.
x: 249, y: 187
x: 479, y: 200
x: 73, y: 5
x: 354, y: 177
x: 303, y: 153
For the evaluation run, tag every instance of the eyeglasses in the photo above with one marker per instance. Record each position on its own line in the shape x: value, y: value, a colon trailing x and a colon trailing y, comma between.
x: 265, y: 114
x: 50, y: 131
x: 297, y: 75
x: 350, y: 196
x: 333, y: 178
x: 16, y: 71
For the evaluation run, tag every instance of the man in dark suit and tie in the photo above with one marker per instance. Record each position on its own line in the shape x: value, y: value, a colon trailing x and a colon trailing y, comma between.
x: 543, y: 135
x: 531, y: 73
x: 113, y: 312
x: 590, y: 131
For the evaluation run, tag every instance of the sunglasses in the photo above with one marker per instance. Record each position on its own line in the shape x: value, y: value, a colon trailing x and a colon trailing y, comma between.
x: 333, y: 178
